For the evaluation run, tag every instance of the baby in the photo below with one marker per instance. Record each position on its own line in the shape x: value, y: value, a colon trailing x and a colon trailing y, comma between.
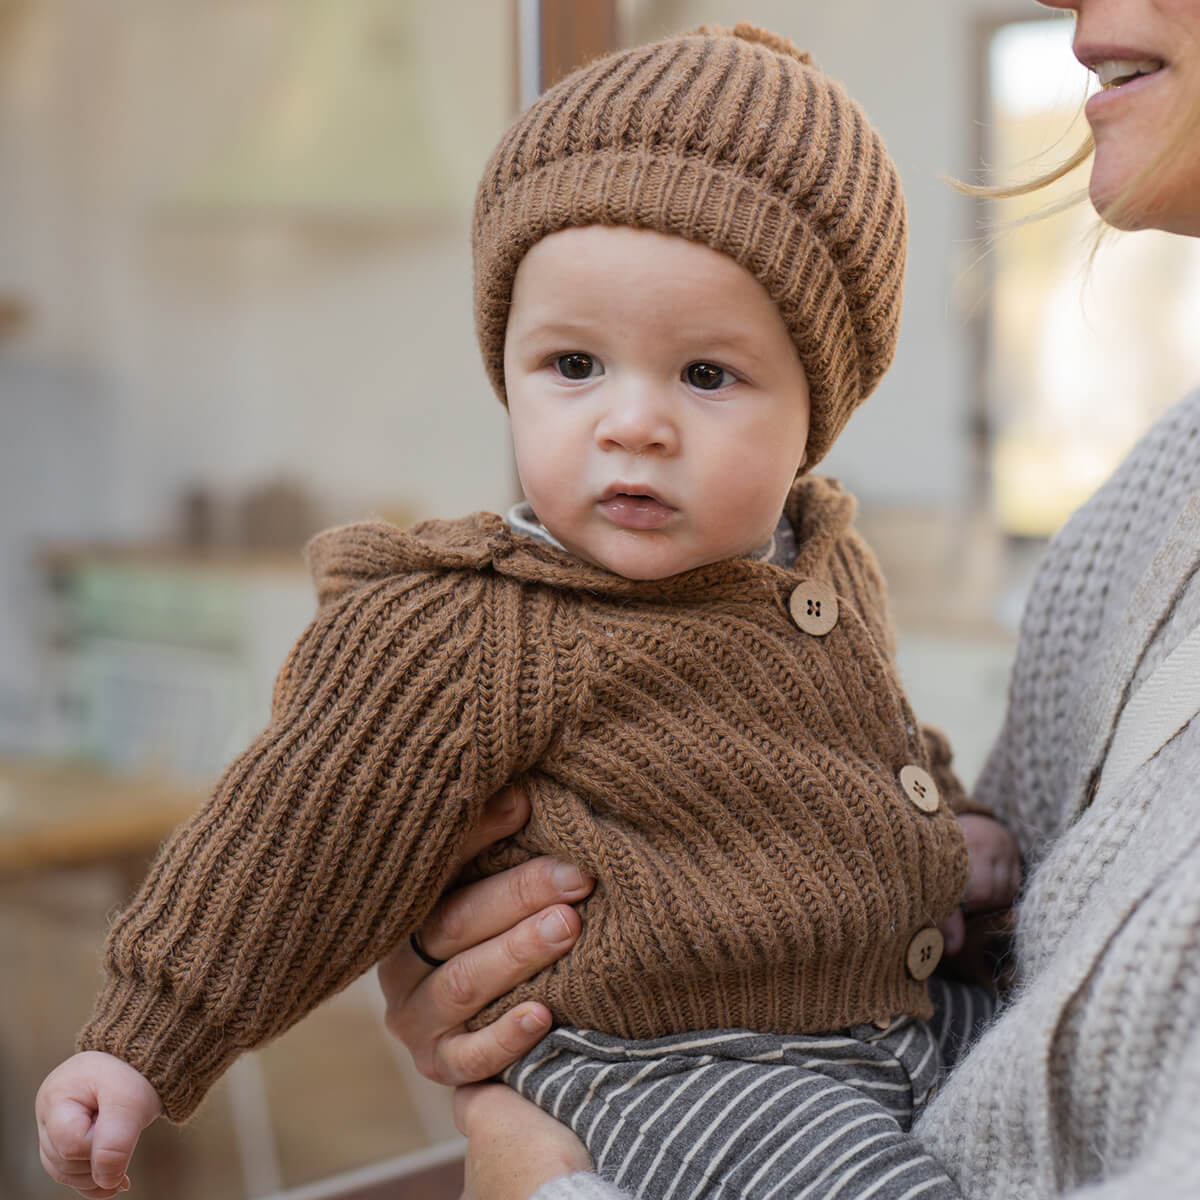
x: 688, y: 266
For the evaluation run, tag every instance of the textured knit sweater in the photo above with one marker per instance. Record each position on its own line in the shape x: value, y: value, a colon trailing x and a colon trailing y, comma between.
x: 731, y: 781
x: 1088, y: 1085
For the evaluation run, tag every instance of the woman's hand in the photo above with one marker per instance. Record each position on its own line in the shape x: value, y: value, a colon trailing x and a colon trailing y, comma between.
x: 493, y: 935
x: 512, y: 1146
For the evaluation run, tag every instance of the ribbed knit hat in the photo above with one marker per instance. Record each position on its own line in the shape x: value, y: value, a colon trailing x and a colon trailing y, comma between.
x: 732, y: 138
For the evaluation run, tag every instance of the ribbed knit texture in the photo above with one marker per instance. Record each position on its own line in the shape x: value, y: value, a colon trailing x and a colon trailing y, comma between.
x: 730, y: 781
x: 1079, y: 604
x: 730, y: 138
x: 1088, y: 1086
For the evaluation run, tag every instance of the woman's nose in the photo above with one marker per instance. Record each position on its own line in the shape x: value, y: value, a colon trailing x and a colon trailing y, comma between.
x: 638, y: 420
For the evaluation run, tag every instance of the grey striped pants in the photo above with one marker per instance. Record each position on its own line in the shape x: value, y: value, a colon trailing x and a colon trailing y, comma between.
x: 733, y: 1115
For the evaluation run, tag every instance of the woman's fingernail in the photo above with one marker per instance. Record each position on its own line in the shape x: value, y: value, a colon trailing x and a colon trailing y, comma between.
x: 567, y: 877
x: 554, y: 928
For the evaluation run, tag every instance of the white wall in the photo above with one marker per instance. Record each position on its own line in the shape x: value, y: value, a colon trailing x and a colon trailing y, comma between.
x: 165, y: 353
x: 238, y: 350
x: 166, y: 350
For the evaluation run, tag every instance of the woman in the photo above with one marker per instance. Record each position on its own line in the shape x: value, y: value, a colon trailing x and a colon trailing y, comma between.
x: 1088, y: 1084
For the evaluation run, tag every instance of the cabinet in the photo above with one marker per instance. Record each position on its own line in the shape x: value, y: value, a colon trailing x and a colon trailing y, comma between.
x: 162, y: 660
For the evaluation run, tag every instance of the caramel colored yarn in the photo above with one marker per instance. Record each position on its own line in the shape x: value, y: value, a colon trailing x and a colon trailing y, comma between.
x: 730, y: 781
x: 732, y: 138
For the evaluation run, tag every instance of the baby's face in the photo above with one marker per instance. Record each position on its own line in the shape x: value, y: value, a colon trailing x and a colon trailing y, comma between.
x: 659, y: 409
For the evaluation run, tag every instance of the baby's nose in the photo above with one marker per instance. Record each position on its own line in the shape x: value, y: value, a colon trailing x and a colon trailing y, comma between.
x: 638, y: 421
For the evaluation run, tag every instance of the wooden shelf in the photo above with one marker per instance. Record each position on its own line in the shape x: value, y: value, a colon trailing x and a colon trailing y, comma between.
x: 66, y: 815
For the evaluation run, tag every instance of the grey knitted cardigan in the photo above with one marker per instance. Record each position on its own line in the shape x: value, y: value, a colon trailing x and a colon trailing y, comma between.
x: 1088, y: 1084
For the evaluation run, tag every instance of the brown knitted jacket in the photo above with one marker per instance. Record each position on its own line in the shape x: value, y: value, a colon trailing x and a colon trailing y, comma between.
x: 730, y: 780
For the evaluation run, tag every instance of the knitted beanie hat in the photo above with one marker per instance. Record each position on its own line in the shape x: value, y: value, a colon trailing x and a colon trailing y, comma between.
x: 732, y: 138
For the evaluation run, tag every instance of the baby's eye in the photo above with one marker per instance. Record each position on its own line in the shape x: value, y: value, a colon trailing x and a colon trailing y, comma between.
x: 708, y: 377
x: 577, y: 366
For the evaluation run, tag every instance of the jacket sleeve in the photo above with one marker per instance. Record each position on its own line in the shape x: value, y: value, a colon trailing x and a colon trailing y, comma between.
x: 864, y: 581
x: 1168, y: 1167
x: 331, y: 837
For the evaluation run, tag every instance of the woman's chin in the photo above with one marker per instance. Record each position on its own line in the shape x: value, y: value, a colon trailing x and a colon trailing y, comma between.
x: 1108, y: 181
x: 1118, y: 218
x: 1160, y: 201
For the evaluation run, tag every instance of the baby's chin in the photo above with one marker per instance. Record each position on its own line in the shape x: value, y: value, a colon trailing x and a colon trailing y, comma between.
x: 645, y: 567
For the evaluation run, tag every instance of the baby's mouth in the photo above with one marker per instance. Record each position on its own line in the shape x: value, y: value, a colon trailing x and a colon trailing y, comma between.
x: 635, y: 509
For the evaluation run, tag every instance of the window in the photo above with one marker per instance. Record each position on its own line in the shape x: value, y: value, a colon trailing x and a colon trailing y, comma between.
x: 1079, y: 360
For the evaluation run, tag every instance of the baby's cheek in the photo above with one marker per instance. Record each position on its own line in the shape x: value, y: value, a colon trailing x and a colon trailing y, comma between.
x: 751, y: 502
x: 549, y: 500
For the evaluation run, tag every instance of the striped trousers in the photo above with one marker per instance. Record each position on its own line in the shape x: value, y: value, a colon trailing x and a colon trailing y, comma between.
x: 734, y: 1115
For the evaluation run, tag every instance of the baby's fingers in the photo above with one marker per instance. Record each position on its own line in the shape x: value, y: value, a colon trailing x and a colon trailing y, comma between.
x: 64, y: 1131
x: 994, y: 864
x: 91, y: 1110
x: 81, y: 1179
x: 70, y: 1146
x: 993, y: 883
x: 127, y: 1105
x: 114, y: 1137
x: 65, y: 1137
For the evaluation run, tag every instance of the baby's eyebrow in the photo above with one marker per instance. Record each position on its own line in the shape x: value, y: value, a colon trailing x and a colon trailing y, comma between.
x: 746, y: 346
x: 558, y: 327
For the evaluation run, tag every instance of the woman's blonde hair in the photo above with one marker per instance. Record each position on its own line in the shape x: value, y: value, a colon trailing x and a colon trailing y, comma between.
x: 1124, y: 211
x: 983, y: 191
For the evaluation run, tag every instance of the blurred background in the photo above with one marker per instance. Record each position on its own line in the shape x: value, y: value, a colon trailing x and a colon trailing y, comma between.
x: 235, y: 307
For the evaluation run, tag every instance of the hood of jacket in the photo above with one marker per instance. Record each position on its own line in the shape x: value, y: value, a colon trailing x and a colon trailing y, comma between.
x: 350, y: 557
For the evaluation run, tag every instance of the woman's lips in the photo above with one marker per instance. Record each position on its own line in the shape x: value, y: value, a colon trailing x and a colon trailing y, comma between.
x: 1103, y: 100
x: 636, y: 511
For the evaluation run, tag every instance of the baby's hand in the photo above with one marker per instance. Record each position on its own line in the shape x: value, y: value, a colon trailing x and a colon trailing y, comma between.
x: 993, y: 875
x: 994, y: 864
x: 90, y: 1111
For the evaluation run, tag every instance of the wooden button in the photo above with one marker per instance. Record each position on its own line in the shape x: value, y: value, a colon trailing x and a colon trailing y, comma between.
x: 814, y: 607
x: 883, y: 1023
x: 919, y: 787
x: 924, y: 952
